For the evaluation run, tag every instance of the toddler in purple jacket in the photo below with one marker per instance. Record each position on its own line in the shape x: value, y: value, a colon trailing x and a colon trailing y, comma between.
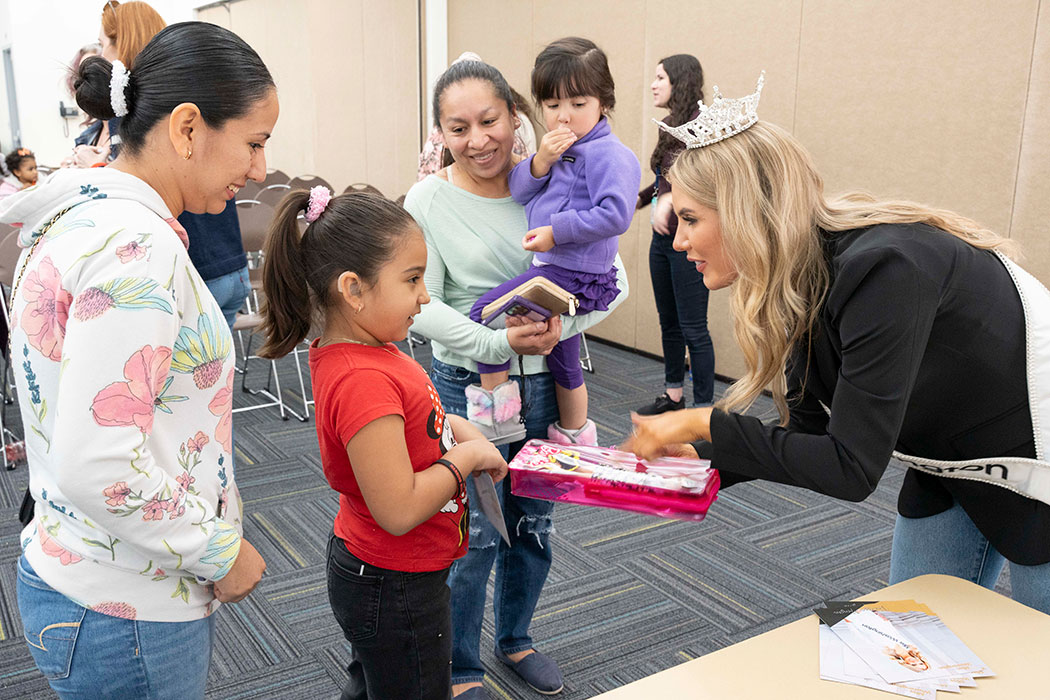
x: 579, y: 191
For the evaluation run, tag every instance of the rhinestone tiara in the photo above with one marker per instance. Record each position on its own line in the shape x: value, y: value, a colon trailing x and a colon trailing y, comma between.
x: 724, y: 118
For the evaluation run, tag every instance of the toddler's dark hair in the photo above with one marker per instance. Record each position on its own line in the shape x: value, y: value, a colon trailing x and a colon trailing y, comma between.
x: 573, y: 67
x: 357, y: 232
x: 14, y: 159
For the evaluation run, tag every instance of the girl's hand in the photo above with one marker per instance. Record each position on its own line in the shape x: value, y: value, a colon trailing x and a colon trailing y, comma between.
x: 552, y: 145
x: 498, y: 473
x: 533, y: 338
x: 478, y: 455
x: 662, y: 214
x: 539, y: 240
x: 655, y: 436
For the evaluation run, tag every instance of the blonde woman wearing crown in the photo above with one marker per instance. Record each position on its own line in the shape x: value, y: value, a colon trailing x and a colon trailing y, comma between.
x: 884, y: 328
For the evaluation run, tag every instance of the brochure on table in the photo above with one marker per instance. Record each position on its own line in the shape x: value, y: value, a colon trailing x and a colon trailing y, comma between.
x: 900, y: 647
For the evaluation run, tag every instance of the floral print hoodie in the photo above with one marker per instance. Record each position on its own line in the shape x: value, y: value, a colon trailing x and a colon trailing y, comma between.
x: 124, y: 369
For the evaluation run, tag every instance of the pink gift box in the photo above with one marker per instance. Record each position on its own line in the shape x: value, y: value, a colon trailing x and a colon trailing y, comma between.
x: 668, y: 487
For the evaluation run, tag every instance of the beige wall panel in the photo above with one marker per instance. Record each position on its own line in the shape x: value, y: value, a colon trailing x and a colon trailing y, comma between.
x: 917, y: 100
x: 500, y: 33
x: 1031, y: 215
x: 337, y: 117
x: 277, y: 31
x: 391, y: 95
x: 216, y: 15
x: 334, y: 62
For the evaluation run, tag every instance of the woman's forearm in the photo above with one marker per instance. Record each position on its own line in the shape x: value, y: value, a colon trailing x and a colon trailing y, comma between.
x: 439, y: 321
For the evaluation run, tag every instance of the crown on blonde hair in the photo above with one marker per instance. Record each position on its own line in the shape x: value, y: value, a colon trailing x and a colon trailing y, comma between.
x: 724, y: 118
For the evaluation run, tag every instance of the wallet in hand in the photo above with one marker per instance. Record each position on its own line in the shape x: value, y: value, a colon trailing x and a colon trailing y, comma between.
x: 537, y: 298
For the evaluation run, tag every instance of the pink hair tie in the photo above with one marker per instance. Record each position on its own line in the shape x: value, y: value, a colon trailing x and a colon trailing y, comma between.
x: 320, y: 196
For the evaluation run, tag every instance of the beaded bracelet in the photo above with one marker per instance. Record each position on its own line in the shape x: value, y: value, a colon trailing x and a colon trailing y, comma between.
x: 460, y: 484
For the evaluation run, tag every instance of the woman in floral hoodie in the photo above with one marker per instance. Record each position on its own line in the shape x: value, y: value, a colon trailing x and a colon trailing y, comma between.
x: 126, y: 367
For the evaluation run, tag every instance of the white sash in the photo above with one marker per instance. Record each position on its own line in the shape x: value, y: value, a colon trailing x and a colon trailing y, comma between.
x: 1028, y: 477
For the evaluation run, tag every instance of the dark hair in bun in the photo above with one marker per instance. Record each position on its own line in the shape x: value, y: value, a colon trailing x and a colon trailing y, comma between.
x: 193, y: 62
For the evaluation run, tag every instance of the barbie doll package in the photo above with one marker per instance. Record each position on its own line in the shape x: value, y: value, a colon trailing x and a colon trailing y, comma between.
x: 668, y: 487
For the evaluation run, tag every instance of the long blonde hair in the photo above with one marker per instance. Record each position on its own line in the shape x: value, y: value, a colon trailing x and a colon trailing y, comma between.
x: 773, y: 214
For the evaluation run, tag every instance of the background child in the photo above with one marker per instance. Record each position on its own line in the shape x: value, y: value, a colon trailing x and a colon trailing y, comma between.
x: 579, y: 193
x: 21, y: 163
x: 397, y: 461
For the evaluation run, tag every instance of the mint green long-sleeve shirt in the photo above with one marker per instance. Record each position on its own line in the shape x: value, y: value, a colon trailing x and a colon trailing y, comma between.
x: 473, y: 245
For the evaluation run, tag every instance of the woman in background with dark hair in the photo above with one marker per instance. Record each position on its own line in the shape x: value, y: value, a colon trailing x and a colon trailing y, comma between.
x: 135, y: 532
x: 681, y: 297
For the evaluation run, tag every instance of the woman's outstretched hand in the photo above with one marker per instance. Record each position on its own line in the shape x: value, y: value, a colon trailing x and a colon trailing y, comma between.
x: 666, y: 434
x: 527, y: 337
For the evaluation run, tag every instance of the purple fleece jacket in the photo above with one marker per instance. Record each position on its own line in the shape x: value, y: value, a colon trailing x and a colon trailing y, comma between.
x: 587, y: 197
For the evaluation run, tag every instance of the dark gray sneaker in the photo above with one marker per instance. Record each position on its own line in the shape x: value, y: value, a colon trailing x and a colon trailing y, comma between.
x: 662, y: 404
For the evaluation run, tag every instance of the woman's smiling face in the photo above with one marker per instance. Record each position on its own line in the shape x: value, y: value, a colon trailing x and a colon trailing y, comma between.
x: 478, y: 129
x: 699, y: 235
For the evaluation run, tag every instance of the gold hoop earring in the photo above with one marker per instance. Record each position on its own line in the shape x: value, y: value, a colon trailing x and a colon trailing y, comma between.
x: 188, y: 154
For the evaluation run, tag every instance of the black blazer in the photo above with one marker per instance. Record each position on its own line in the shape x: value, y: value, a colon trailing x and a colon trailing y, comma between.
x: 920, y: 347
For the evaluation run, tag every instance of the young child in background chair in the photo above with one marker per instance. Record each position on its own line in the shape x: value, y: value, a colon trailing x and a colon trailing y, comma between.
x: 397, y: 461
x: 21, y: 163
x: 579, y: 193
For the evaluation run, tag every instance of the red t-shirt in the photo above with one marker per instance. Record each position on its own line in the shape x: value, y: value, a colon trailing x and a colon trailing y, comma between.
x: 354, y: 385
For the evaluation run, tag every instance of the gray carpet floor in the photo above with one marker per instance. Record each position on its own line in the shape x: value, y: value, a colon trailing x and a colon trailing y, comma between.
x: 628, y: 595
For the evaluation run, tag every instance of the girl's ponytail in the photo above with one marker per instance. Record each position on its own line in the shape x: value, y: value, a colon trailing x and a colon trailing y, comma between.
x: 287, y: 307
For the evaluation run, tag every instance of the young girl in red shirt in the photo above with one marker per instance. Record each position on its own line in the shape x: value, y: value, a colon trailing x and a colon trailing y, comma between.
x: 397, y: 461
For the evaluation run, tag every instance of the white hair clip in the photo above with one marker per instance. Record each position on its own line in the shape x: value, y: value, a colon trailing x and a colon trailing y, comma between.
x: 724, y: 118
x: 118, y: 83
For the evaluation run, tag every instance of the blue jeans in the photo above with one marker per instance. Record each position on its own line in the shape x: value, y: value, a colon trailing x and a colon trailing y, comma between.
x: 681, y: 303
x: 521, y: 568
x: 230, y: 290
x: 89, y: 655
x: 949, y: 543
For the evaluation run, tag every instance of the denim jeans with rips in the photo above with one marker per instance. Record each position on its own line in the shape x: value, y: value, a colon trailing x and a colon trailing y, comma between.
x: 521, y: 568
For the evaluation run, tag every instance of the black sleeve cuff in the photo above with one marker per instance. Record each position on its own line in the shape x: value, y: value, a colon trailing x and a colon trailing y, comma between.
x: 705, y: 450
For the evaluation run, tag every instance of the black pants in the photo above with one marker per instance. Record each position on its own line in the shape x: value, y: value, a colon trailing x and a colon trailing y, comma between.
x: 681, y: 302
x: 399, y: 626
